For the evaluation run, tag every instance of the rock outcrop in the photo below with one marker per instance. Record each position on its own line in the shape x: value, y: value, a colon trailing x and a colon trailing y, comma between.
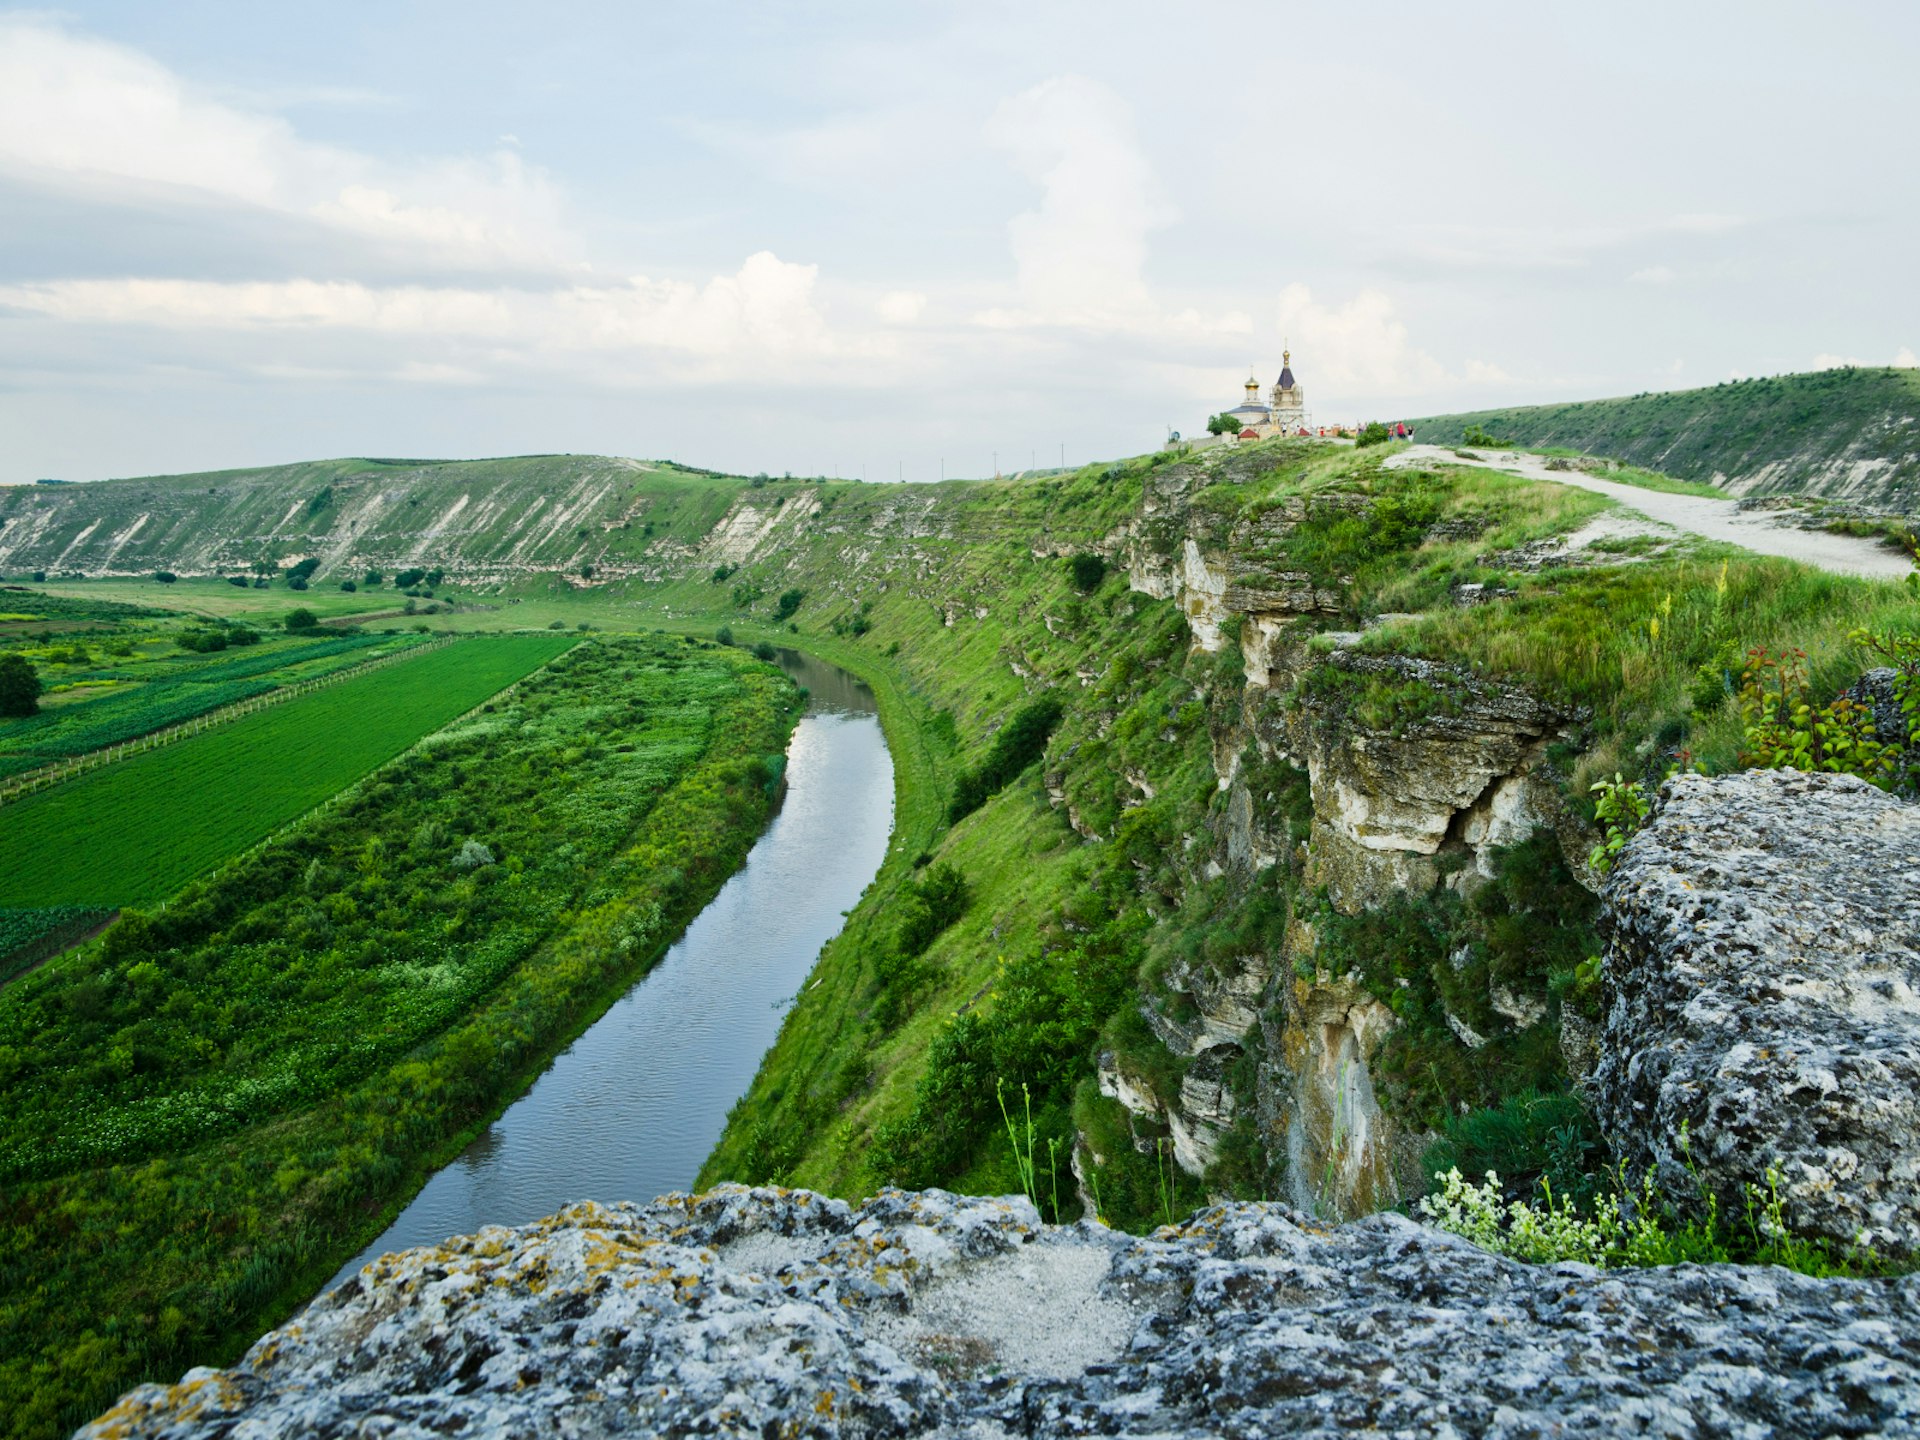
x: 1764, y: 979
x: 767, y: 1312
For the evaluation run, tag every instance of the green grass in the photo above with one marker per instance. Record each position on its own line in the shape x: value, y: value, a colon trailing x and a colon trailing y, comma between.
x: 203, y: 1114
x: 137, y: 830
x: 1802, y: 430
x: 118, y: 698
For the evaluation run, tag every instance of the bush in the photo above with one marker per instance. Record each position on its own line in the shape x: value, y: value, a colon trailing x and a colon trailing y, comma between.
x: 302, y: 619
x: 1223, y: 424
x: 1088, y: 572
x: 20, y: 686
x: 939, y: 899
x: 240, y: 582
x: 303, y: 571
x: 724, y: 635
x: 348, y: 586
x: 165, y: 577
x: 1020, y: 742
x: 1373, y: 433
x: 789, y: 602
x: 371, y: 578
x: 765, y: 651
x: 586, y: 572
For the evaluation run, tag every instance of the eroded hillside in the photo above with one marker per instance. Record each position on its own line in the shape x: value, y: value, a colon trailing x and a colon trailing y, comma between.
x: 482, y: 521
x: 1851, y: 434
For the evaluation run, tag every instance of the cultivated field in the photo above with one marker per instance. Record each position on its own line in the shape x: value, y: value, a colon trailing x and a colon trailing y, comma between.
x: 137, y: 831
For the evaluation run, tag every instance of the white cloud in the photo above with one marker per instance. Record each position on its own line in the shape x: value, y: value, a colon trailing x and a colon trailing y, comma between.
x: 78, y: 113
x: 1360, y: 345
x: 902, y: 307
x: 1080, y: 257
x: 1905, y: 359
x: 767, y: 307
x: 1653, y: 275
x: 1834, y: 362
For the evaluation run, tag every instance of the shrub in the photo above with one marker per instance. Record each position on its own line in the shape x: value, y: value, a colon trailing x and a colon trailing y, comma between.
x: 371, y: 578
x: 1373, y: 433
x: 239, y: 581
x: 1784, y: 729
x: 348, y: 586
x: 765, y: 651
x: 789, y: 602
x: 724, y: 635
x: 20, y: 685
x: 939, y: 899
x: 1088, y: 572
x: 302, y: 619
x: 1020, y: 742
x: 165, y: 577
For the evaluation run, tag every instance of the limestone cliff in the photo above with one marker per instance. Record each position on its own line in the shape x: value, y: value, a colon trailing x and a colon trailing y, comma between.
x: 765, y: 1312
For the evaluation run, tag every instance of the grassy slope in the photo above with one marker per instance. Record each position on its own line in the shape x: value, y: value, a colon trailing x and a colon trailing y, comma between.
x: 838, y: 1075
x: 477, y: 517
x: 1785, y: 431
x: 136, y: 831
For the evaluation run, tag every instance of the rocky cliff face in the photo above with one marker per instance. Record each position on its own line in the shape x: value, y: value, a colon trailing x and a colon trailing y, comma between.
x: 1764, y: 972
x: 1417, y: 775
x: 767, y: 1312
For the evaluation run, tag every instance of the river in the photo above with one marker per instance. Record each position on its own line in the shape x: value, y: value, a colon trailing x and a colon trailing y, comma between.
x: 633, y: 1107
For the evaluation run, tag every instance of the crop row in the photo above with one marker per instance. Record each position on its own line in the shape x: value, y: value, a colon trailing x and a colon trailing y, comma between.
x: 138, y: 830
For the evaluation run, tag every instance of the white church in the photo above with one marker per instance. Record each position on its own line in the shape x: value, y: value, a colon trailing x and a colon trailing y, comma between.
x: 1285, y: 412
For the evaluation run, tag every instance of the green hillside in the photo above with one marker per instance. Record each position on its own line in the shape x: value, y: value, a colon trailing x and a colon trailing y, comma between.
x: 480, y: 520
x: 1847, y: 434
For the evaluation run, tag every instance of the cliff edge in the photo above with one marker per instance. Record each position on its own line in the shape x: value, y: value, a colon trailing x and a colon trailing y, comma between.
x: 781, y: 1312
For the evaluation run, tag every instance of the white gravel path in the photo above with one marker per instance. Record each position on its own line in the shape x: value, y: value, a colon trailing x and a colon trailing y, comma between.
x: 1695, y: 514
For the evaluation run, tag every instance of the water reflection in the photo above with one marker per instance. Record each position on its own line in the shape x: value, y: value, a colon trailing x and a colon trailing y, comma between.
x: 633, y: 1107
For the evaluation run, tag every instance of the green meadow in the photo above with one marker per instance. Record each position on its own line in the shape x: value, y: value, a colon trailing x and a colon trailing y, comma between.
x: 135, y: 831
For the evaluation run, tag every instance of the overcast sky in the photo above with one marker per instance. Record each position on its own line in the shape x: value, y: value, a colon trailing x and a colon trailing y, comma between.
x: 836, y: 237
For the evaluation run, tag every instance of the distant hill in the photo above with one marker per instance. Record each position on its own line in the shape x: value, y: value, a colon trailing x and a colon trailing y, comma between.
x: 1846, y: 434
x: 477, y: 519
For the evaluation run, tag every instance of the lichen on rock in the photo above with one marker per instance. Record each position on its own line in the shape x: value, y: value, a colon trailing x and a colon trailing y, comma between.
x: 1763, y: 970
x: 774, y: 1312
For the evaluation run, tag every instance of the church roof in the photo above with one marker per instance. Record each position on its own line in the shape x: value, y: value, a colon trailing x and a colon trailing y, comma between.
x: 1286, y: 377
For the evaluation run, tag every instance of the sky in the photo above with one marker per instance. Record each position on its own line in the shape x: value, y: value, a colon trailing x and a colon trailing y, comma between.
x: 901, y: 241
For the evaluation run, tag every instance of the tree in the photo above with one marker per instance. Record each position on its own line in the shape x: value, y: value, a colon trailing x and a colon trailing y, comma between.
x: 1374, y: 433
x: 348, y: 586
x: 302, y: 619
x: 724, y: 635
x: 586, y: 572
x: 165, y: 577
x: 240, y: 581
x: 39, y: 577
x: 1223, y: 424
x: 372, y: 578
x: 1088, y: 572
x: 789, y: 602
x: 19, y: 685
x: 407, y: 579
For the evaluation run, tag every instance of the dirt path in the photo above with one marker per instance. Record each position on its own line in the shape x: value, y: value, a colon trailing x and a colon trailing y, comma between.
x: 1694, y: 514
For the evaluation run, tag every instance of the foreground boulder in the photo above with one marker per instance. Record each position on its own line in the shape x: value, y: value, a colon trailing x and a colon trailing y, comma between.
x: 1764, y: 974
x: 770, y: 1312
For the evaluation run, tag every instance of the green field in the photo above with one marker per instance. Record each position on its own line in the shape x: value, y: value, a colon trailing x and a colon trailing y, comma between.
x: 138, y: 830
x: 205, y: 1112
